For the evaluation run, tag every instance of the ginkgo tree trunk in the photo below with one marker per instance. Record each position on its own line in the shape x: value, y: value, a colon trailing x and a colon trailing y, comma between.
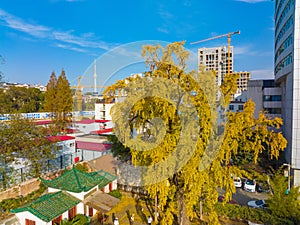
x: 184, y: 138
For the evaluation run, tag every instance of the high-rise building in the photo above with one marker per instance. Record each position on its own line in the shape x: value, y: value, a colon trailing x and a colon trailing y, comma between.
x: 287, y: 76
x: 216, y: 59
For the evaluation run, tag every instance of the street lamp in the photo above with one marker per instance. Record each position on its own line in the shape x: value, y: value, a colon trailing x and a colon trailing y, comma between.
x: 289, y: 175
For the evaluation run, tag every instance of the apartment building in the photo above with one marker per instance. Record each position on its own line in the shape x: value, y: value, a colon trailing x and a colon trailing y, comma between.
x: 216, y: 59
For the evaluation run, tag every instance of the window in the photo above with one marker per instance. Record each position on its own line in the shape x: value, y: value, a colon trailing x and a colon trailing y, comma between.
x: 284, y: 29
x: 231, y: 107
x: 72, y: 212
x: 272, y: 98
x: 283, y: 63
x: 90, y: 211
x: 241, y: 107
x: 29, y: 222
x: 57, y: 220
x: 273, y: 110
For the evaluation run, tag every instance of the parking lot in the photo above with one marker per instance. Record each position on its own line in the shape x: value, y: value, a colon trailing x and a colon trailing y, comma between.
x: 242, y: 197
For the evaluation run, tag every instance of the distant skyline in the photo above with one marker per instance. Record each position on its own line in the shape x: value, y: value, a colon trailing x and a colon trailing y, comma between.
x: 41, y: 36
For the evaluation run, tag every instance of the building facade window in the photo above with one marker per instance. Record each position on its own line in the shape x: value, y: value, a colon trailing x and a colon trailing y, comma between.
x: 278, y: 8
x: 241, y: 107
x: 29, y: 222
x: 231, y: 107
x: 285, y: 28
x: 272, y: 98
x: 285, y: 12
x: 273, y: 110
x: 72, y: 212
x: 57, y: 220
x: 283, y: 46
x: 283, y: 63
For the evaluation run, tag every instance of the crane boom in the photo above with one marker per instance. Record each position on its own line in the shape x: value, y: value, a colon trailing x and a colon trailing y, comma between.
x: 228, y: 43
x: 219, y: 36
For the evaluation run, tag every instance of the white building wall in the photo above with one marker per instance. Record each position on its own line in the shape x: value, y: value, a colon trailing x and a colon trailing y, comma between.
x: 255, y: 93
x: 102, y: 111
x: 22, y: 216
x: 288, y: 78
x: 115, y: 185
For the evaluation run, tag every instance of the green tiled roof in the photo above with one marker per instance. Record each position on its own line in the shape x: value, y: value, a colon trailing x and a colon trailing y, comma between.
x: 77, y: 181
x: 49, y: 206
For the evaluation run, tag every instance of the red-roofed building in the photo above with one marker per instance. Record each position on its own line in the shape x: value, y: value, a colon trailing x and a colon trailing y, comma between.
x: 92, y: 150
x: 103, y: 131
x: 87, y: 126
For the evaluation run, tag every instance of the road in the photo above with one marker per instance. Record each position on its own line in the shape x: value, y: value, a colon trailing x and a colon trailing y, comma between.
x: 242, y: 197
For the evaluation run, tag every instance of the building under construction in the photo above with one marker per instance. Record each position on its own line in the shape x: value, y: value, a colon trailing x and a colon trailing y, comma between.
x: 216, y: 59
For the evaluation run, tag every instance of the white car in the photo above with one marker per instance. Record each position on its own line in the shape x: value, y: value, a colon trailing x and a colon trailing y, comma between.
x: 250, y: 185
x: 257, y: 204
x: 237, y: 182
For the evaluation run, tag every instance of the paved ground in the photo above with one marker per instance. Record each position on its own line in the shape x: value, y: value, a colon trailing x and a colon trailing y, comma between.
x: 242, y: 196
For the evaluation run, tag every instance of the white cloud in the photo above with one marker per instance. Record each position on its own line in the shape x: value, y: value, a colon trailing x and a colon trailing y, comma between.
x: 67, y: 38
x: 69, y: 47
x: 252, y: 1
x: 18, y: 24
x: 162, y: 30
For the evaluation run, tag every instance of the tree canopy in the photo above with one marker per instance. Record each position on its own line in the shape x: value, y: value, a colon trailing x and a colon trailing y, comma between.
x: 22, y: 140
x: 21, y: 100
x: 58, y: 99
x: 169, y: 120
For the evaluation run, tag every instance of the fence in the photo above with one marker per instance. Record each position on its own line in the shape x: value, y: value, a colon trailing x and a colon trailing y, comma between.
x: 18, y: 175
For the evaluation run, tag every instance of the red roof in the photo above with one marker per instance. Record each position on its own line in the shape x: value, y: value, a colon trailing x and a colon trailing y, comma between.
x: 42, y: 122
x: 101, y: 131
x: 72, y: 130
x: 60, y: 138
x: 102, y: 121
x: 87, y: 121
x: 101, y: 147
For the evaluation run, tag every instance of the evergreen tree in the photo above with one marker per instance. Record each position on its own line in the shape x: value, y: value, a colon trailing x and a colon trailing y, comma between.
x: 181, y: 150
x: 51, y: 95
x: 64, y: 99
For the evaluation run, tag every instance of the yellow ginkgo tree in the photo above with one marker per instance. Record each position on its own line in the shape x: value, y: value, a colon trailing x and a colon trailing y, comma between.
x: 180, y: 136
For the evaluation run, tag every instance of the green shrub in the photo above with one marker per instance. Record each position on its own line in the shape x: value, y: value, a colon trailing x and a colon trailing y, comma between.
x: 13, y: 203
x: 80, y: 220
x: 116, y: 193
x: 245, y: 213
x: 82, y: 167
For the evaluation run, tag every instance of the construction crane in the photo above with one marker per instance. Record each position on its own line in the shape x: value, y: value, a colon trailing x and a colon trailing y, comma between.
x: 228, y: 42
x: 79, y: 88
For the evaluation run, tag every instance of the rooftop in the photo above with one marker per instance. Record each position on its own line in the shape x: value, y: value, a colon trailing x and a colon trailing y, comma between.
x: 49, y: 206
x: 76, y: 181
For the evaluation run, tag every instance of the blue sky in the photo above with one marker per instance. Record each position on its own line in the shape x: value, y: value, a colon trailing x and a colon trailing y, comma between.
x: 41, y: 36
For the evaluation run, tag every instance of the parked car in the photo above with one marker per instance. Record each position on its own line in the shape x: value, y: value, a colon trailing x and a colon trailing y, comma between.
x: 257, y: 204
x: 237, y: 182
x: 250, y: 185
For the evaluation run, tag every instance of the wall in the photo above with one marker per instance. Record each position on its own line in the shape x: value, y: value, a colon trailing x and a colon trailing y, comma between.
x: 23, y: 189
